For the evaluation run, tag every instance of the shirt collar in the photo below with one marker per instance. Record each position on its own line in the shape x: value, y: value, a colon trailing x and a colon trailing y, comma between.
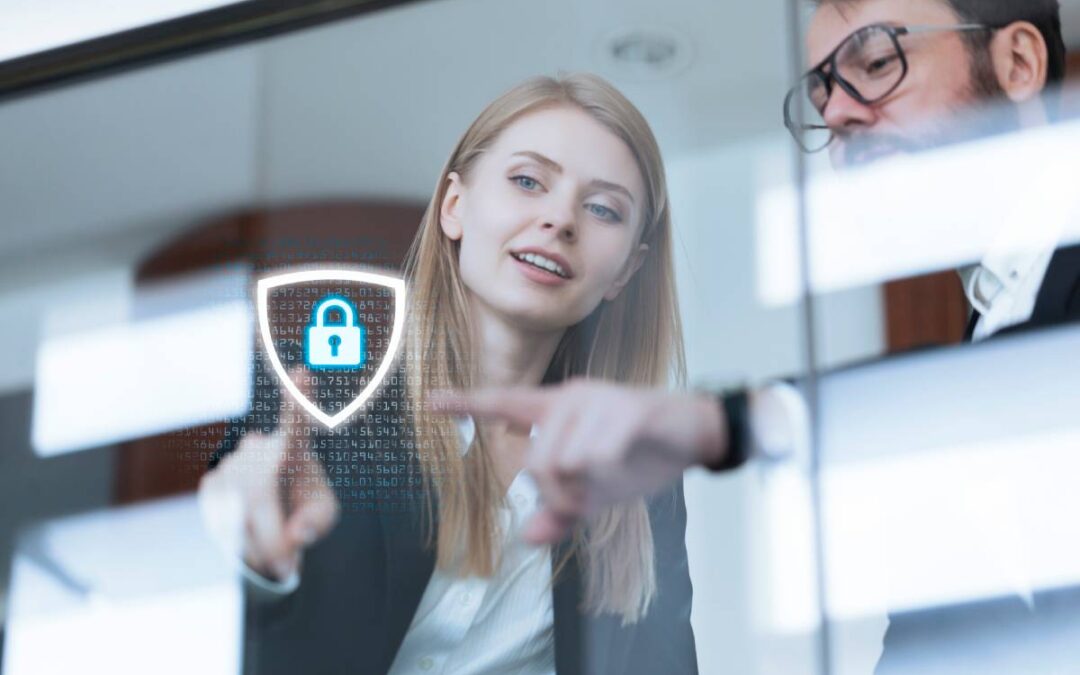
x: 997, y: 277
x: 1005, y: 293
x: 1014, y: 263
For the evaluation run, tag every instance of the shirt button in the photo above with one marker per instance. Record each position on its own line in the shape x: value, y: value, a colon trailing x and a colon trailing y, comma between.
x: 426, y: 663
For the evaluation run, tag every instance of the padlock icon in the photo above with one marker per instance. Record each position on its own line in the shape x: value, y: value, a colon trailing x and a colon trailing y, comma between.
x: 338, y: 345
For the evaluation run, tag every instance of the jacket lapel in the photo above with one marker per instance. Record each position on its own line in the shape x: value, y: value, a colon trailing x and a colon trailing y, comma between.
x: 1059, y: 295
x: 409, y: 566
x: 973, y: 321
x: 566, y: 597
x: 584, y: 644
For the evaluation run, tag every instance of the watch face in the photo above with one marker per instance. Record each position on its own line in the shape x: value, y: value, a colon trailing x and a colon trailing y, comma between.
x: 779, y: 421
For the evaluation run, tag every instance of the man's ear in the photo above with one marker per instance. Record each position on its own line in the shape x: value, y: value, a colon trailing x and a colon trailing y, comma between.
x: 633, y: 264
x: 450, y: 209
x: 1021, y: 60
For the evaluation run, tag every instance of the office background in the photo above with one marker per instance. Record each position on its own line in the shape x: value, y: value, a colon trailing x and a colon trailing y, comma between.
x: 101, y: 177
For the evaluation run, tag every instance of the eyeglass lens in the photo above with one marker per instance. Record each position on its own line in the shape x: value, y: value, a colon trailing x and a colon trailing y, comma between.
x: 869, y: 61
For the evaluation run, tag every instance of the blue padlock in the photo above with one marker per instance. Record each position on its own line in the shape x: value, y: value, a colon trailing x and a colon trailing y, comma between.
x: 338, y: 345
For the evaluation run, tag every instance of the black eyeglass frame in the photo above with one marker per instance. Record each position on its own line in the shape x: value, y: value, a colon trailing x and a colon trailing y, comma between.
x: 832, y: 75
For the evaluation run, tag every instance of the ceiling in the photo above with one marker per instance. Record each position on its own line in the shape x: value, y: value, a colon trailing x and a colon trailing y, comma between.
x: 367, y: 106
x: 92, y: 176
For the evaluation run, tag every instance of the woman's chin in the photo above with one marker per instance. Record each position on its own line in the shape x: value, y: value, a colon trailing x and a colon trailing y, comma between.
x: 538, y: 319
x: 530, y: 309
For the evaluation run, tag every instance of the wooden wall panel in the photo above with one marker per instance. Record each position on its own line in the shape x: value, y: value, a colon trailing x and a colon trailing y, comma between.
x: 924, y: 311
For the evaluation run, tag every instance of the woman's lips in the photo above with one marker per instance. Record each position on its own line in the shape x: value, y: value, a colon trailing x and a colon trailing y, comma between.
x: 566, y: 271
x: 540, y: 276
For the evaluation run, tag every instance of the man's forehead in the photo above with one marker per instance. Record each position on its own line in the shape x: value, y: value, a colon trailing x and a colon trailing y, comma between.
x: 834, y: 20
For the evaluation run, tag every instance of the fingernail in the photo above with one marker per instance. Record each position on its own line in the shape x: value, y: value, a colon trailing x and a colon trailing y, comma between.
x: 308, y: 535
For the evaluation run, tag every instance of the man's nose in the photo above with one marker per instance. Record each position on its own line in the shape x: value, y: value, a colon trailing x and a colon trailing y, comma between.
x: 844, y: 114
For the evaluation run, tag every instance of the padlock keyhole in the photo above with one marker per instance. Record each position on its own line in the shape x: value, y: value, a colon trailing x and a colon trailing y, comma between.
x: 335, y: 340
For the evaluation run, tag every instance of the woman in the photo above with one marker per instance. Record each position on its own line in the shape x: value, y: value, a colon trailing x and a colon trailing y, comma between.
x: 545, y: 254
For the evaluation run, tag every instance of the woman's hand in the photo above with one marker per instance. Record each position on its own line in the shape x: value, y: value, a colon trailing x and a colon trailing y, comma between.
x: 598, y: 443
x: 269, y: 499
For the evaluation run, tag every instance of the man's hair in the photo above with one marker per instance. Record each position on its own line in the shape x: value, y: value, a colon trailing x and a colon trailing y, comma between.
x: 1043, y: 14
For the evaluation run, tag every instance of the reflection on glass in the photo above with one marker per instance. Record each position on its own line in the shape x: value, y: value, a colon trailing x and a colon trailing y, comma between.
x: 139, y: 589
x: 946, y: 188
x: 324, y: 146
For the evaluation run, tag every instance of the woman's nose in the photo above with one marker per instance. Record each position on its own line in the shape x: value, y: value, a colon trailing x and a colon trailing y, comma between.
x: 564, y: 223
x: 567, y: 231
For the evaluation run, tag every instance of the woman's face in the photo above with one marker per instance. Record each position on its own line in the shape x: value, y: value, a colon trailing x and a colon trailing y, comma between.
x: 549, y: 219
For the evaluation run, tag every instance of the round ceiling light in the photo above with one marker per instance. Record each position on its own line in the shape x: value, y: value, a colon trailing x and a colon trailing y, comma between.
x: 646, y: 53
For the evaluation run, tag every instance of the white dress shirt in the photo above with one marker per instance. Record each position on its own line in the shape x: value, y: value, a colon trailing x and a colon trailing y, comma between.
x: 502, y: 624
x: 1003, y: 288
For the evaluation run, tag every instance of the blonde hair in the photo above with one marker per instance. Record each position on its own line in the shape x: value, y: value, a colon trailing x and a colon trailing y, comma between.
x: 635, y: 339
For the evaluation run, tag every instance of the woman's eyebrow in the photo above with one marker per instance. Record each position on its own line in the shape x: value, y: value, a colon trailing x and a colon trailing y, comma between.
x: 546, y: 161
x: 556, y: 167
x: 613, y: 187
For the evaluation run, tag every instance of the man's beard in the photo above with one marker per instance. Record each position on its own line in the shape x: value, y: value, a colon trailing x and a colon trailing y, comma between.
x: 987, y: 111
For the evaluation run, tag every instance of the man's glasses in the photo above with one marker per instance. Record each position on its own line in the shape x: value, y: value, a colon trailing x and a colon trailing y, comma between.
x: 869, y: 65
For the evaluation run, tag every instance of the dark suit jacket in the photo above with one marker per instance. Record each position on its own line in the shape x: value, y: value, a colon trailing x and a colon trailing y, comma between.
x: 1058, y: 301
x: 361, y: 585
x: 1000, y: 635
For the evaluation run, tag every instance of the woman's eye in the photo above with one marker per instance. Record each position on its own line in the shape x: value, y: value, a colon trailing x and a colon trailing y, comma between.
x: 604, y: 212
x: 526, y: 182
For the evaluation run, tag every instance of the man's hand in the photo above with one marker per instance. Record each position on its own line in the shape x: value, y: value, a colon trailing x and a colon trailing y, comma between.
x: 598, y: 443
x: 285, y: 502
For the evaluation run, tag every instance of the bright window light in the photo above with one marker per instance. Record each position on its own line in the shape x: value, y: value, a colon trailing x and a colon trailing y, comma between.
x: 919, y: 213
x: 950, y: 476
x: 126, y: 591
x: 952, y: 525
x: 139, y: 379
x: 30, y: 26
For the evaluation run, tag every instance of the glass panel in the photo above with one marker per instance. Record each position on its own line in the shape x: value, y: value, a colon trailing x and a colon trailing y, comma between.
x: 942, y: 445
x: 142, y: 348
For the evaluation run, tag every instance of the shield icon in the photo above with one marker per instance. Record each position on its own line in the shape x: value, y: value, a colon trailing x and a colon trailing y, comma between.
x: 309, y: 297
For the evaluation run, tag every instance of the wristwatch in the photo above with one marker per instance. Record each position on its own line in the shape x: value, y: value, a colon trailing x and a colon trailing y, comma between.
x: 735, y: 404
x: 771, y: 421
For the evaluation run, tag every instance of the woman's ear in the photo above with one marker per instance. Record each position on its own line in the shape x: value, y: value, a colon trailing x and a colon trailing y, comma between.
x: 633, y: 264
x: 450, y: 209
x: 1020, y: 57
